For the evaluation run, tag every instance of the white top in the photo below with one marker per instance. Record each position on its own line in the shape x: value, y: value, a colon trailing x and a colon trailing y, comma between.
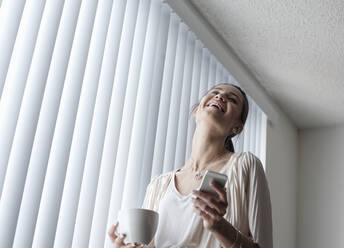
x: 249, y: 207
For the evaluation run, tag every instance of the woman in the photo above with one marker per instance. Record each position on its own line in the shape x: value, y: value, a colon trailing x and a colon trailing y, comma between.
x: 240, y: 214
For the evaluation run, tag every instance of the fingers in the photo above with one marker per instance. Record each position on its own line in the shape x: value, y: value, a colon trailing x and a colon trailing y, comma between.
x: 112, y: 232
x: 207, y: 205
x: 201, y: 205
x: 203, y: 214
x: 134, y: 245
x: 119, y: 241
x: 204, y: 199
x: 219, y: 190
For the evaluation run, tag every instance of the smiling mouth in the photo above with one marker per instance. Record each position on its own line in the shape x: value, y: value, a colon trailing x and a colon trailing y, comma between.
x: 214, y: 106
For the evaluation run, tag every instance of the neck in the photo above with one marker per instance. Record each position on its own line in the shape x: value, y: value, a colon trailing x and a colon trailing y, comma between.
x: 207, y: 150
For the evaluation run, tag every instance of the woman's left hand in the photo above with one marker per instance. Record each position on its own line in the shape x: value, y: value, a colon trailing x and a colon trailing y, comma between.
x: 211, y: 207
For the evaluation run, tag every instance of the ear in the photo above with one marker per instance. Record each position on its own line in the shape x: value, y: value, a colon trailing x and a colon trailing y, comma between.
x: 194, y: 112
x: 238, y: 129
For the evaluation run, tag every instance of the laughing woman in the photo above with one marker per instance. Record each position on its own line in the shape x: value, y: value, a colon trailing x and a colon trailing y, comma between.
x: 239, y: 216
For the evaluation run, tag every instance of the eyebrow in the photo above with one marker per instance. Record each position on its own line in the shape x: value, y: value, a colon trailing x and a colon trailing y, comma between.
x: 231, y: 93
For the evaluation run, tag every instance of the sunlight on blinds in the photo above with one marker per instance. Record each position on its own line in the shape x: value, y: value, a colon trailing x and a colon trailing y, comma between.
x: 95, y: 101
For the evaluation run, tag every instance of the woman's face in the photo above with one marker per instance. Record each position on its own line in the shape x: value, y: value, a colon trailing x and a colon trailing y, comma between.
x: 231, y: 103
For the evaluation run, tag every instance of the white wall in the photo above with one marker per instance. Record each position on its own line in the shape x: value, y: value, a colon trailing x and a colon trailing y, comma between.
x: 321, y: 197
x: 282, y: 170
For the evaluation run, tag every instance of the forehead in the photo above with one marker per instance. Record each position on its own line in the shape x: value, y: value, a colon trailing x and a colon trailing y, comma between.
x: 229, y: 89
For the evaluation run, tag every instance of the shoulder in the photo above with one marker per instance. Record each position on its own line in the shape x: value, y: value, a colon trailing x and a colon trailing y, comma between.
x: 253, y: 174
x: 155, y: 190
x: 161, y: 179
x: 247, y: 161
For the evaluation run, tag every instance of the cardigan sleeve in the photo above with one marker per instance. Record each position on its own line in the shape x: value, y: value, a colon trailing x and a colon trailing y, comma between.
x: 156, y: 190
x: 259, y: 204
x: 148, y: 202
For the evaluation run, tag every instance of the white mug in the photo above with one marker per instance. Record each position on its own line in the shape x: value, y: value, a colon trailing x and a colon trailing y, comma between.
x: 138, y: 224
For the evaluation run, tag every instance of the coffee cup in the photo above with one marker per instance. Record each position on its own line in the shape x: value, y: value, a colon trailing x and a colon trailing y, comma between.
x: 138, y: 224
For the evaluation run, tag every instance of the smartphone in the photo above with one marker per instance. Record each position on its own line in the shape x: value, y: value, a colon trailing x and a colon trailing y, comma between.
x: 209, y: 175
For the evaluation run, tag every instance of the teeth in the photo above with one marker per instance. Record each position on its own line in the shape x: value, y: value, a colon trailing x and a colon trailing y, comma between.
x: 215, y: 104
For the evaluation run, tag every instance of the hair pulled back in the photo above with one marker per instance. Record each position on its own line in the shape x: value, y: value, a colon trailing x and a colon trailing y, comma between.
x: 243, y: 116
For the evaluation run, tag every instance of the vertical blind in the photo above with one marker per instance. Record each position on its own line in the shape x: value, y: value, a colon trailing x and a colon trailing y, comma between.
x: 95, y: 100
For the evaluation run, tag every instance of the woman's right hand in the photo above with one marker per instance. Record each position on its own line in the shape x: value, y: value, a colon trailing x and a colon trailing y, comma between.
x: 117, y: 240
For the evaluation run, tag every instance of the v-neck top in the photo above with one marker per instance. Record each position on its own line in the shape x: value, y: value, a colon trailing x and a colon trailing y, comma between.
x: 181, y: 196
x: 249, y: 207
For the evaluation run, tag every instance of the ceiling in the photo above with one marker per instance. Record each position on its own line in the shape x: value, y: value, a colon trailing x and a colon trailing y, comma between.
x: 294, y: 48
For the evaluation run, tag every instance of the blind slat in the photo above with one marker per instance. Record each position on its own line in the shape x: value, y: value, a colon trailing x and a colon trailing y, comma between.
x: 27, y: 123
x: 204, y: 73
x: 194, y: 95
x: 59, y: 153
x: 140, y: 120
x: 97, y: 98
x: 253, y: 128
x: 92, y: 203
x: 10, y: 16
x: 108, y: 170
x: 258, y: 130
x: 212, y: 71
x: 154, y: 103
x: 218, y: 75
x: 75, y: 167
x: 128, y: 111
x: 161, y: 132
x: 174, y: 106
x: 14, y: 79
x: 10, y: 105
x: 179, y: 158
x: 45, y: 126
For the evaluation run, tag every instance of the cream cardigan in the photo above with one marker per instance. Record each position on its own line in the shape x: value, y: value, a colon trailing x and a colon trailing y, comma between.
x: 249, y: 205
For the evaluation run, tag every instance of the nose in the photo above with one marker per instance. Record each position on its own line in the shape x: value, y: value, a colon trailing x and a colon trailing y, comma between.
x: 220, y: 96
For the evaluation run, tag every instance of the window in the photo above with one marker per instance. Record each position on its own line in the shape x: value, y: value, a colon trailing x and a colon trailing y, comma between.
x: 95, y: 100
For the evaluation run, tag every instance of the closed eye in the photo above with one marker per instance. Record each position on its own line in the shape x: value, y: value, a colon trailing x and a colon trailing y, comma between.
x: 228, y: 97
